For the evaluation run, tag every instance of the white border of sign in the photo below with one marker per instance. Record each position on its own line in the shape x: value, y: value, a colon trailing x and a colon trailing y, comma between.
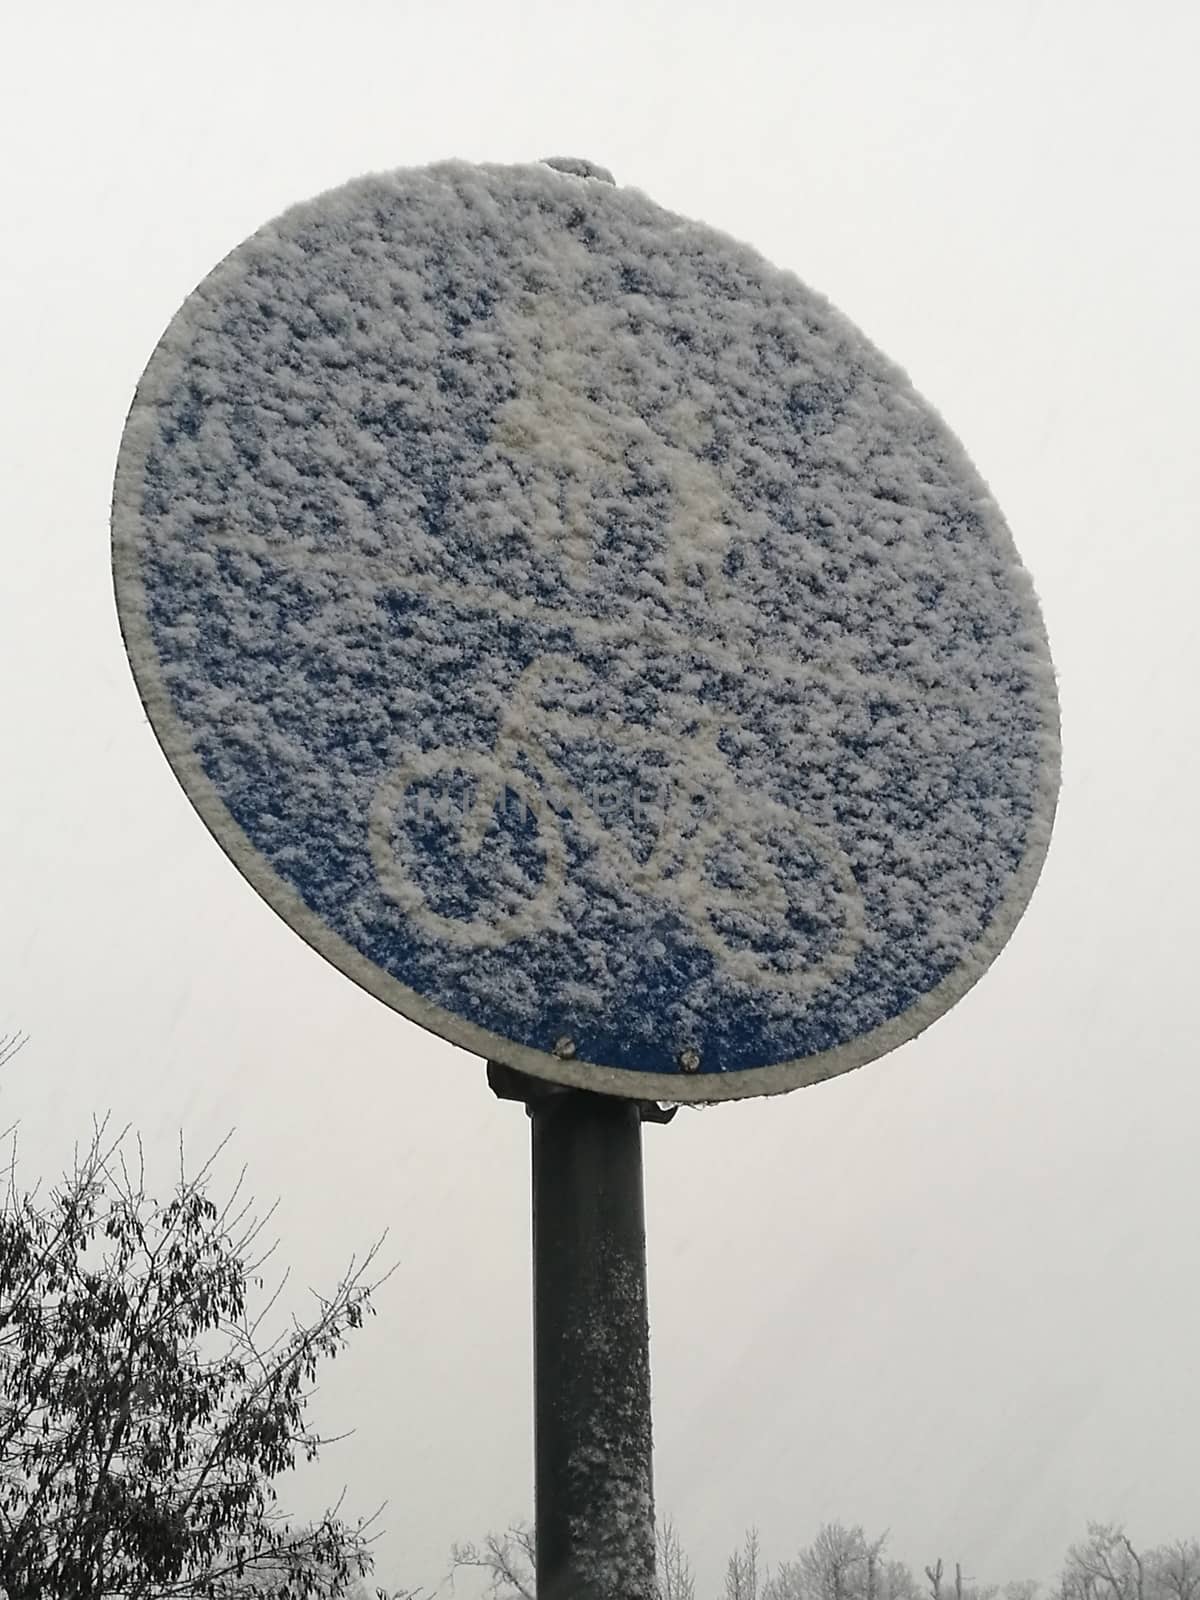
x: 701, y: 1087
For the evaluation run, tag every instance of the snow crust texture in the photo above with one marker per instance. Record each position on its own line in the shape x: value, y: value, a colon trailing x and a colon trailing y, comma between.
x: 580, y: 631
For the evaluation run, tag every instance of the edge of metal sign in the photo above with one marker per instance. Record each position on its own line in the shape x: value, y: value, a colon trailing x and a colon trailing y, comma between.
x: 682, y: 1087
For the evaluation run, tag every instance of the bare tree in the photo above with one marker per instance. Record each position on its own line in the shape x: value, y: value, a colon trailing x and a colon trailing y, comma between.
x: 872, y: 1565
x: 834, y: 1565
x: 10, y: 1043
x: 507, y: 1558
x: 898, y: 1582
x: 675, y: 1581
x: 841, y: 1564
x: 1104, y: 1566
x: 1176, y: 1569
x: 1021, y: 1589
x: 741, y: 1572
x: 965, y: 1589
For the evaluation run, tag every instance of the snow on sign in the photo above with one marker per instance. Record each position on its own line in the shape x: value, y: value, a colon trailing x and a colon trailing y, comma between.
x: 582, y: 636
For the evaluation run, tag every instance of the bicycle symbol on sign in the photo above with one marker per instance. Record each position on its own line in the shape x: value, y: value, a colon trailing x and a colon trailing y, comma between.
x: 690, y: 864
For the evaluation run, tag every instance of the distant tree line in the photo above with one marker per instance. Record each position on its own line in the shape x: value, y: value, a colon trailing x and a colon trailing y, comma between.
x: 845, y: 1563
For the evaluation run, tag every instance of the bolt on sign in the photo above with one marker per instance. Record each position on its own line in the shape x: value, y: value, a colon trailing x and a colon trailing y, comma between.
x: 582, y: 636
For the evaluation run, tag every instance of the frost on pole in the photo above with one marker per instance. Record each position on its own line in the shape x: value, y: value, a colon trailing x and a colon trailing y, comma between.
x: 582, y: 635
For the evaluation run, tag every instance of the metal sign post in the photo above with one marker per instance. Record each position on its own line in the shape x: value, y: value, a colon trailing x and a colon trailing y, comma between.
x: 593, y: 1478
x: 592, y: 645
x: 591, y: 1351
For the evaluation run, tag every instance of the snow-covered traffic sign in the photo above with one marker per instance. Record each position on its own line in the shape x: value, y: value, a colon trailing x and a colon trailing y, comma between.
x: 582, y: 636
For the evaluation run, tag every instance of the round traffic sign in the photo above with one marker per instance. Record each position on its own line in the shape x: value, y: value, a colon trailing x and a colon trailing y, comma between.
x: 582, y: 635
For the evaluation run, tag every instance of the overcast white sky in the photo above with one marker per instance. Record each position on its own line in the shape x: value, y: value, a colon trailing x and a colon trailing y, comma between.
x: 957, y: 1293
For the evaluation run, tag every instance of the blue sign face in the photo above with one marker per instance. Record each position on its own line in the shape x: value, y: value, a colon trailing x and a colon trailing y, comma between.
x: 582, y: 636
